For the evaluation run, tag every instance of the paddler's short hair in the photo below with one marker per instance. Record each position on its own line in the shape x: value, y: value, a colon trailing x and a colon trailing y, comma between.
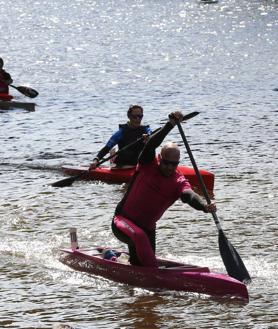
x: 133, y: 107
x: 1, y: 62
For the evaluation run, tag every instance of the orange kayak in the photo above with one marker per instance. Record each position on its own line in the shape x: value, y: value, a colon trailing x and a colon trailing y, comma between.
x: 123, y: 175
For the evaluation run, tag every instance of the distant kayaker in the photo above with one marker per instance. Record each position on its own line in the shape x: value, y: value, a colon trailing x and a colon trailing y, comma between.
x: 155, y: 186
x: 127, y: 133
x: 5, y: 79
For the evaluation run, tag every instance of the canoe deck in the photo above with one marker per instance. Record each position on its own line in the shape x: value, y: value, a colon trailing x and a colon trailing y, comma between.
x: 123, y: 175
x: 9, y: 105
x: 170, y: 275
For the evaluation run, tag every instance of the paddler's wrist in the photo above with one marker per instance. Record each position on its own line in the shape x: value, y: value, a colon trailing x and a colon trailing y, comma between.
x: 170, y: 125
x: 210, y: 208
x: 175, y: 117
x: 172, y: 122
x: 94, y: 163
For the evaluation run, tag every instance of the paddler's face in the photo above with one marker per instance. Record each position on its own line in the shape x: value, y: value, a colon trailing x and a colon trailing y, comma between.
x: 135, y: 117
x: 168, y: 162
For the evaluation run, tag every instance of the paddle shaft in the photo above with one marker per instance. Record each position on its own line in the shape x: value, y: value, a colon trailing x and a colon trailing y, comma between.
x: 200, y: 178
x: 124, y: 148
x: 231, y: 259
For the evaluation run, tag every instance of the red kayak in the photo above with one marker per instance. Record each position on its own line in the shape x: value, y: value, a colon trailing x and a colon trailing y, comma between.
x: 170, y: 275
x: 123, y: 175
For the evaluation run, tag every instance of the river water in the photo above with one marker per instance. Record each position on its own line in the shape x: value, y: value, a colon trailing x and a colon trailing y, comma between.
x: 90, y: 60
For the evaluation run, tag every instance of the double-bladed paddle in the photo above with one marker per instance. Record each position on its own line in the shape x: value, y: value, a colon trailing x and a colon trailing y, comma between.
x: 231, y: 259
x: 27, y: 91
x: 69, y: 181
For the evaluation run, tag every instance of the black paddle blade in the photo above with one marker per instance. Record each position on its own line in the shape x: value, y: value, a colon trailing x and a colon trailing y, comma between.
x: 187, y: 116
x: 64, y: 182
x: 27, y: 91
x: 231, y: 259
x: 190, y: 115
x: 69, y: 181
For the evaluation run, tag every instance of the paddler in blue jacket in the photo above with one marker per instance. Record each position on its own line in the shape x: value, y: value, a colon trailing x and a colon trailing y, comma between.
x: 5, y: 79
x: 127, y: 133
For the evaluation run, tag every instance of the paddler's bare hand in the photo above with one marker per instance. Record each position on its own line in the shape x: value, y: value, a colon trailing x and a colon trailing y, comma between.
x: 175, y: 117
x: 146, y: 137
x: 210, y: 208
x: 94, y: 164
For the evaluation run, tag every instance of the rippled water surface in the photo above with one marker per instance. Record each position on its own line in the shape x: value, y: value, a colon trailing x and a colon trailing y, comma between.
x: 90, y: 60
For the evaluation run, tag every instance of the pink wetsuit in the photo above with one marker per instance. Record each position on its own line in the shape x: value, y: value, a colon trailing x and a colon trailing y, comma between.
x: 150, y: 196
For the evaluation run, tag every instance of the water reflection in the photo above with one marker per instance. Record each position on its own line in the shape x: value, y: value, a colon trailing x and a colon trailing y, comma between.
x: 143, y: 311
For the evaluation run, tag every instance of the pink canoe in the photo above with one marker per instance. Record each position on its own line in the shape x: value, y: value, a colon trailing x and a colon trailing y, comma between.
x: 170, y: 275
x: 110, y: 175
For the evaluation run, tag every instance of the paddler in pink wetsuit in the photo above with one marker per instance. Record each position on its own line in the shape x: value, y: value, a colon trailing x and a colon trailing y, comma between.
x: 155, y: 186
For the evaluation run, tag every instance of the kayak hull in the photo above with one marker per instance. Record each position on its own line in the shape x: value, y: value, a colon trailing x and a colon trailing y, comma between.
x: 123, y: 175
x: 8, y: 105
x: 169, y: 276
